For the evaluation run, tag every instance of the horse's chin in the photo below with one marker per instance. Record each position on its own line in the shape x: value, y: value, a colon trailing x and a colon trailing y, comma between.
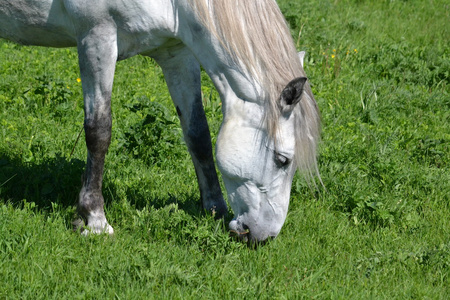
x: 254, y: 231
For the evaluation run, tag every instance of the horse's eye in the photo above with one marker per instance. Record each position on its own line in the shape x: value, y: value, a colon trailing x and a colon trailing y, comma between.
x: 281, y: 160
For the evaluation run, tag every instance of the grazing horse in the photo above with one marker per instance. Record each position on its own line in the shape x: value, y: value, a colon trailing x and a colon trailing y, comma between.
x: 270, y: 118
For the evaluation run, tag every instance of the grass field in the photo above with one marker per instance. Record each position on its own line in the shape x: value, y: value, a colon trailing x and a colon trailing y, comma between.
x: 380, y: 230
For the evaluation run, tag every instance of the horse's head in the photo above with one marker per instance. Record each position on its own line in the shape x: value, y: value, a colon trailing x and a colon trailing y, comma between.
x: 258, y: 167
x: 270, y: 120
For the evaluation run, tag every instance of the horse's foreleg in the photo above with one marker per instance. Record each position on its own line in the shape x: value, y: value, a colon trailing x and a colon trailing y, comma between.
x: 182, y: 74
x: 97, y: 58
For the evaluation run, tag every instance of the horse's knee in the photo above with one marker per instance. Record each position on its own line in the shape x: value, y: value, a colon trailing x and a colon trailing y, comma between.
x: 199, y: 142
x: 98, y: 134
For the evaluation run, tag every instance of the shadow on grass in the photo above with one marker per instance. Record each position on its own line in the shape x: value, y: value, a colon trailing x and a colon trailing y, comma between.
x: 138, y: 199
x: 55, y: 180
x: 58, y: 180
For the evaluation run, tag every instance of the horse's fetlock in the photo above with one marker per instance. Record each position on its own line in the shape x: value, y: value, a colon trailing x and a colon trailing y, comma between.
x: 88, y: 203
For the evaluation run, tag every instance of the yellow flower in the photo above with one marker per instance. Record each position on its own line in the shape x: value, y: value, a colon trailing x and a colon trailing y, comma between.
x: 78, y: 80
x: 356, y: 51
x: 334, y: 50
x: 332, y: 55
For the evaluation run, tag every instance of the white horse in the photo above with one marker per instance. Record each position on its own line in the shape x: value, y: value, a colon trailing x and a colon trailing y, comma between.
x: 270, y: 119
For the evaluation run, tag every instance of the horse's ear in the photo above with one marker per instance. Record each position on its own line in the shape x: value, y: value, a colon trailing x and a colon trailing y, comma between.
x: 292, y: 94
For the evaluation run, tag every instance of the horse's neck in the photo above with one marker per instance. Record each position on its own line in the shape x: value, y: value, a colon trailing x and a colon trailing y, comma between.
x: 230, y: 78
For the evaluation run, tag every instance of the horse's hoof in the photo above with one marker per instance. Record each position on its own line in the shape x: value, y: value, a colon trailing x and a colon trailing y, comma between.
x: 99, y: 227
x: 78, y: 225
x: 107, y: 229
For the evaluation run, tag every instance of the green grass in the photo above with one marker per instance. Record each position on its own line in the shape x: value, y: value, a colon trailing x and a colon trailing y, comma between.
x: 381, y: 229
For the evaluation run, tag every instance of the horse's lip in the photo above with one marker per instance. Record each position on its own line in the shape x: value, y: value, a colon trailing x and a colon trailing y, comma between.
x: 243, y: 236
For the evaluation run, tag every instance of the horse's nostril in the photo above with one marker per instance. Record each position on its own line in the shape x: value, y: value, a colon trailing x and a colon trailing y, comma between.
x: 239, y: 230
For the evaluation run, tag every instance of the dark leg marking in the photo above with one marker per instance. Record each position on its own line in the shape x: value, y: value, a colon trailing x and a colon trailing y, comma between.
x: 198, y: 133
